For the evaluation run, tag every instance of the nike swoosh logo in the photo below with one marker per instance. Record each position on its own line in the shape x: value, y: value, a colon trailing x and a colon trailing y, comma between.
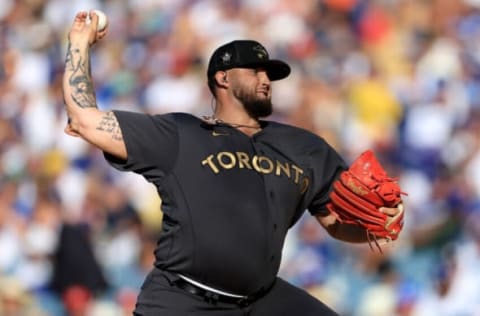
x: 215, y: 133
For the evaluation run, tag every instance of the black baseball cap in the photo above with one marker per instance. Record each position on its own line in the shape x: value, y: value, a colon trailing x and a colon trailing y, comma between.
x: 246, y: 54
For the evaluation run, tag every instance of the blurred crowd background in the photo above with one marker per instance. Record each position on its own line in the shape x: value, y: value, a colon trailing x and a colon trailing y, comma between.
x: 401, y: 77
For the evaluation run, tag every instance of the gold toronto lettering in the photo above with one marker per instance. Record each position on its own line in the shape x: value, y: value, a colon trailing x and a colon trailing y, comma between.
x: 243, y: 160
x: 305, y: 184
x: 225, y: 160
x: 229, y: 156
x: 285, y: 168
x: 210, y: 163
x: 298, y: 172
x: 261, y: 168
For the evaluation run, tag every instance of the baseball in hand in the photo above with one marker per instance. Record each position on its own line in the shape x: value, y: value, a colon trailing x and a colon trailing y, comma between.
x: 102, y: 20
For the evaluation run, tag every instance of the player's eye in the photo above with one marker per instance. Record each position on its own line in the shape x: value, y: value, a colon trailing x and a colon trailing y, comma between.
x: 253, y: 71
x: 259, y: 70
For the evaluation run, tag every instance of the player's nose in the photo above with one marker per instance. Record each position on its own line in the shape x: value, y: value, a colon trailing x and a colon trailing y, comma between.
x: 264, y: 79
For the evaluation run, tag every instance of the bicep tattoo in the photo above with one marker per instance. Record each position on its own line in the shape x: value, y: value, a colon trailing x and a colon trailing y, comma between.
x: 80, y: 80
x: 109, y: 124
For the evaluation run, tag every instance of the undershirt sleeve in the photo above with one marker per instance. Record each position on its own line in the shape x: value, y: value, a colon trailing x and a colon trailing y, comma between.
x: 151, y: 142
x: 327, y: 166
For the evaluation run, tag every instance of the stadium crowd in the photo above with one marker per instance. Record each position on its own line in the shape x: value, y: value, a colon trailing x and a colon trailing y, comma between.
x: 401, y: 77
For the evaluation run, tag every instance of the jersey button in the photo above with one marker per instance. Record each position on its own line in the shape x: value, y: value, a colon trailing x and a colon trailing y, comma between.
x: 272, y: 194
x: 272, y: 258
x: 274, y: 226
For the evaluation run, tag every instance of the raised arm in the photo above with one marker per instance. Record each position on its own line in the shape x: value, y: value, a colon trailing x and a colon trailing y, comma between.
x: 85, y: 120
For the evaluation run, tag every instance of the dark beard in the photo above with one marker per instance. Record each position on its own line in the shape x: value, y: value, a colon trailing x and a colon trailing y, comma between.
x: 255, y: 107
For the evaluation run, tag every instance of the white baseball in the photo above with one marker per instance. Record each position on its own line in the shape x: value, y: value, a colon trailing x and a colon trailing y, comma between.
x: 102, y: 20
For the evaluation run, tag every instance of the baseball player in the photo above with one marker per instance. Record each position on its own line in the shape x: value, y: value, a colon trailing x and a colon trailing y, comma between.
x: 231, y: 185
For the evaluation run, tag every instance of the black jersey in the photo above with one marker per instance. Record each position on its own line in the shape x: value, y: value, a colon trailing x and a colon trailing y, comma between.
x: 228, y: 198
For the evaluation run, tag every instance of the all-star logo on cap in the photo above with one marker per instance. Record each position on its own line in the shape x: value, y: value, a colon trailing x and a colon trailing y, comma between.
x: 261, y: 51
x: 226, y: 58
x: 246, y: 54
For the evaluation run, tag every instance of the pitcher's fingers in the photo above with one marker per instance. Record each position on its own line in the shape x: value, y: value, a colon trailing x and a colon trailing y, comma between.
x: 101, y: 34
x: 93, y: 20
x: 80, y: 20
x: 81, y: 16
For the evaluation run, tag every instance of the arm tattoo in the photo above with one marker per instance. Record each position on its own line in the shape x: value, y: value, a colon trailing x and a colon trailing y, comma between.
x: 109, y: 124
x: 80, y: 79
x: 69, y: 61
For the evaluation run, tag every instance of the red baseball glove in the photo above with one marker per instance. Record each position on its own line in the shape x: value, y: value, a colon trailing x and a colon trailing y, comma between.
x: 360, y: 192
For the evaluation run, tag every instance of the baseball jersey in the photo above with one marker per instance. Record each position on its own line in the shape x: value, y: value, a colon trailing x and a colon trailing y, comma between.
x: 228, y: 199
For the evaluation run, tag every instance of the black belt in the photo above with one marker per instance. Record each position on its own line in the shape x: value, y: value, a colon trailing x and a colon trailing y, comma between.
x: 213, y: 297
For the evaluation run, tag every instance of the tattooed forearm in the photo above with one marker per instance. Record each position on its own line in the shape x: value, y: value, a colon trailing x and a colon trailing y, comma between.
x: 83, y: 93
x: 109, y: 124
x: 80, y: 80
x: 69, y: 59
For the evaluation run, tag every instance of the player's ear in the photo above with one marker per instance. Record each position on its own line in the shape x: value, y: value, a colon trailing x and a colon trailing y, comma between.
x: 221, y: 79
